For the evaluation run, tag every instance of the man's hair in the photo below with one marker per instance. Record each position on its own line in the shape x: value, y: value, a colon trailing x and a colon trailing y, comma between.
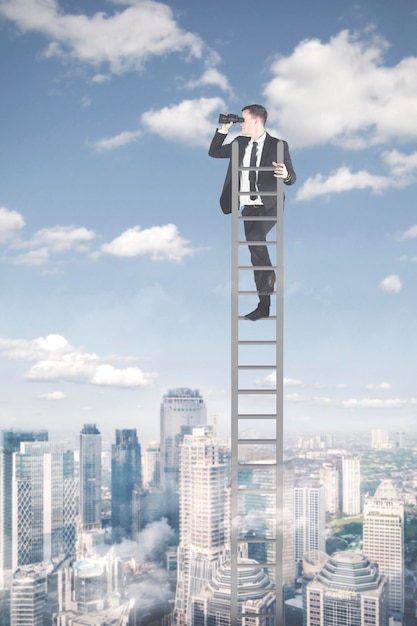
x: 257, y: 110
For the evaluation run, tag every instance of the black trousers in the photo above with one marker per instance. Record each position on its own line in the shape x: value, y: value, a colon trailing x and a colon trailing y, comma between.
x: 257, y: 230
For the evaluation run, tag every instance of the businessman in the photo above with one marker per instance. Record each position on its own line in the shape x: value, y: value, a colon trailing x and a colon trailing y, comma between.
x: 256, y: 148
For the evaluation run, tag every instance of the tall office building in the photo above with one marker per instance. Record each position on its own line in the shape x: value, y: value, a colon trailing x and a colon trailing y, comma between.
x: 126, y: 482
x: 181, y: 410
x: 204, y: 509
x: 9, y: 443
x: 151, y: 465
x: 349, y: 591
x: 44, y: 496
x: 310, y: 521
x: 351, y: 486
x: 383, y: 540
x: 329, y: 477
x: 380, y: 439
x: 90, y: 478
x: 28, y: 597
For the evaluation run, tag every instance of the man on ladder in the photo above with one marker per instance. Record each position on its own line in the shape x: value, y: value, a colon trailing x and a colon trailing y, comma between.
x: 257, y: 148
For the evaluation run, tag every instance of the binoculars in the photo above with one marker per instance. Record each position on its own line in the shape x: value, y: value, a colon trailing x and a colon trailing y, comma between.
x: 230, y: 117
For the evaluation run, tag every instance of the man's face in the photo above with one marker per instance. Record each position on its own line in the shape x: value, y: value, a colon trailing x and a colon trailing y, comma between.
x: 251, y: 125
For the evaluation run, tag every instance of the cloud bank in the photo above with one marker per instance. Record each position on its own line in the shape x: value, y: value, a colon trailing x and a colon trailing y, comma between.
x: 56, y: 360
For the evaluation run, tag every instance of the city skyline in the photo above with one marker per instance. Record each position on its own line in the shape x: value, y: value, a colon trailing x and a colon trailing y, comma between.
x: 381, y: 531
x: 116, y: 270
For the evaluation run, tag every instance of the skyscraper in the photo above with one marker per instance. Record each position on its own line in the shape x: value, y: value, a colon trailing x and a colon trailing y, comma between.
x: 181, y: 409
x: 204, y: 510
x: 10, y: 443
x: 44, y: 515
x: 28, y: 597
x: 329, y: 477
x: 310, y: 520
x: 380, y: 439
x: 90, y: 477
x: 383, y: 540
x: 151, y: 465
x: 126, y: 481
x: 349, y: 591
x: 351, y: 486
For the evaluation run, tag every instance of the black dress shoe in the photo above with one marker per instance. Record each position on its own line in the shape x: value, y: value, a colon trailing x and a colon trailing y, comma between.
x: 259, y: 313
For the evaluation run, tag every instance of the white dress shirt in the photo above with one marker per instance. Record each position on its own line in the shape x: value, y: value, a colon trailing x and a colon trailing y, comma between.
x: 244, y: 176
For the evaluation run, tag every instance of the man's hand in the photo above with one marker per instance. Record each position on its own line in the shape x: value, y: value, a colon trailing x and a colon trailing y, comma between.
x: 280, y: 170
x: 226, y: 127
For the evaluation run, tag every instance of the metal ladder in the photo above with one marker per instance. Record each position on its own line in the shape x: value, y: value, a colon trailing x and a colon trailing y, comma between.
x: 256, y: 482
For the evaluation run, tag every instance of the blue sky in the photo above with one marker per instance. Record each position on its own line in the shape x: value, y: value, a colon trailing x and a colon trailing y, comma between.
x: 115, y: 256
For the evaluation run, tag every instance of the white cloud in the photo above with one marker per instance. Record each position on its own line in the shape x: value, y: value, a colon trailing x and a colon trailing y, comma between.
x: 106, y: 374
x: 391, y: 283
x: 410, y: 233
x: 378, y: 403
x: 191, y: 122
x: 292, y: 382
x: 124, y: 41
x: 380, y: 386
x: 39, y: 348
x: 401, y: 164
x: 211, y: 77
x: 61, y: 239
x: 33, y: 257
x: 270, y: 381
x: 118, y: 141
x: 54, y: 395
x: 402, y: 172
x: 99, y: 79
x: 57, y: 239
x: 10, y: 222
x: 158, y: 242
x: 341, y: 92
x: 343, y: 180
x: 56, y: 360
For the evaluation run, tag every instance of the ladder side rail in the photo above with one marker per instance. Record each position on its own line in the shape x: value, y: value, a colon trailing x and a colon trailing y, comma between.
x: 234, y: 391
x: 280, y: 391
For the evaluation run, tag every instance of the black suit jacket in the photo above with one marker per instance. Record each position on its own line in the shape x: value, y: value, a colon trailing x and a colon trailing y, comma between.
x: 266, y: 180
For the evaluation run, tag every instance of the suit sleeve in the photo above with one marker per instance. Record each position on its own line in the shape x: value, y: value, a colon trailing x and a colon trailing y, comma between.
x: 289, y: 166
x: 217, y: 150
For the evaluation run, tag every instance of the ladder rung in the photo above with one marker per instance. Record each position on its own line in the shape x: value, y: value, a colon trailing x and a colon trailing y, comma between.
x: 256, y: 441
x: 254, y: 342
x: 264, y: 416
x: 257, y: 193
x: 257, y: 267
x: 270, y: 317
x: 257, y: 243
x: 256, y: 293
x: 256, y: 465
x: 256, y: 492
x: 257, y: 218
x: 253, y: 515
x: 256, y: 367
x: 261, y: 168
x: 258, y: 392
